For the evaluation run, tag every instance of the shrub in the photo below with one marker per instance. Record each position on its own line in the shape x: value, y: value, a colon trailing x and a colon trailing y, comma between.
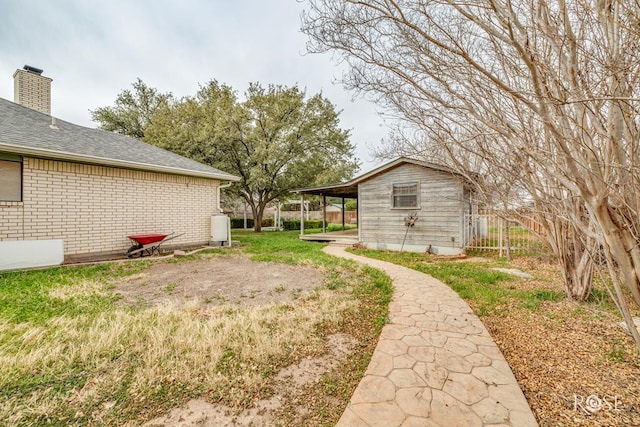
x: 294, y: 224
x: 338, y: 227
x: 239, y: 222
x: 290, y: 224
x: 267, y: 222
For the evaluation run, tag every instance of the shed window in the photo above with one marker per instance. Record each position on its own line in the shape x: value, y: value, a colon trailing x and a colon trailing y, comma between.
x: 10, y: 181
x: 405, y: 196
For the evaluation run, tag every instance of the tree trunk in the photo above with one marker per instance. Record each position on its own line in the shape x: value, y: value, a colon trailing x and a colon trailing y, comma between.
x: 622, y: 246
x: 257, y: 223
x: 255, y: 212
x: 623, y: 255
x: 575, y: 254
x: 258, y: 214
x: 577, y: 274
x: 257, y: 220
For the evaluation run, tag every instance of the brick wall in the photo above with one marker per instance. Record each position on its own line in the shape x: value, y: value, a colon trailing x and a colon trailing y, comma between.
x: 94, y: 208
x: 32, y: 90
x: 11, y: 220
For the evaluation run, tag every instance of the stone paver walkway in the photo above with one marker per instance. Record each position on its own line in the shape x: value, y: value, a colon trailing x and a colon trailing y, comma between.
x: 435, y: 363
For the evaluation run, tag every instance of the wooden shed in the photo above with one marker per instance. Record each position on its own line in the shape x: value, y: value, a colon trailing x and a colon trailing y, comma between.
x: 389, y: 196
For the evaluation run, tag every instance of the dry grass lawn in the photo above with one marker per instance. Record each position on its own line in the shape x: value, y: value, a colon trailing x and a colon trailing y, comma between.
x: 71, y: 353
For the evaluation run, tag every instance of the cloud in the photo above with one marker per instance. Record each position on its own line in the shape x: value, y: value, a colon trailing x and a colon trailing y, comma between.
x: 93, y: 50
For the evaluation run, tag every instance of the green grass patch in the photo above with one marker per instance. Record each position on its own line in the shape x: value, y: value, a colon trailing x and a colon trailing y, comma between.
x: 338, y: 227
x: 487, y: 290
x: 476, y: 283
x: 283, y: 247
x: 616, y: 352
x: 70, y: 355
x: 37, y: 296
x: 531, y: 299
x: 601, y: 298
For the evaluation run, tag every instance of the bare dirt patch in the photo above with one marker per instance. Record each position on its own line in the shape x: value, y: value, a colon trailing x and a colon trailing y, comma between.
x: 237, y: 280
x: 216, y: 281
x: 289, y: 382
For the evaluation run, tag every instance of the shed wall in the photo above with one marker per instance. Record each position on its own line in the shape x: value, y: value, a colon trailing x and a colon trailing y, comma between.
x: 94, y: 208
x: 440, y: 212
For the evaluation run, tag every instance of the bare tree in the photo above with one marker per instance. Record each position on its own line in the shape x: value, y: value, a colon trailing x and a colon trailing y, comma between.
x: 509, y: 180
x: 538, y: 94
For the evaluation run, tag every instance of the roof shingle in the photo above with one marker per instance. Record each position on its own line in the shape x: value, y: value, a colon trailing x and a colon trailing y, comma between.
x: 29, y: 132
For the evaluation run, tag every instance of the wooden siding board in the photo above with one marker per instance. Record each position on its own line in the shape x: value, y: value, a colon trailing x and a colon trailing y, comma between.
x: 440, y: 212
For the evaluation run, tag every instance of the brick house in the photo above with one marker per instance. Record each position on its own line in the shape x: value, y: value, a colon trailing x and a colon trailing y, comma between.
x: 91, y: 188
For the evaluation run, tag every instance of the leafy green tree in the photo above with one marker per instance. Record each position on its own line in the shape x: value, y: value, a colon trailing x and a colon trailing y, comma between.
x: 195, y: 127
x: 351, y: 205
x: 276, y: 140
x: 133, y: 110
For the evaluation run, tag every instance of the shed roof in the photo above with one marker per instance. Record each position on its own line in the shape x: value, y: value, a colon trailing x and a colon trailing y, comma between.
x: 349, y: 189
x: 30, y: 133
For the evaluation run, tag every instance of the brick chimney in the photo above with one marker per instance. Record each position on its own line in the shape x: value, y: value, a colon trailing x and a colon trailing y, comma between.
x: 32, y: 89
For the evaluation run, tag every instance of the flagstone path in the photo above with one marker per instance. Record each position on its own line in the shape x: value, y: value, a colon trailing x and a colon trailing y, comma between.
x: 435, y: 363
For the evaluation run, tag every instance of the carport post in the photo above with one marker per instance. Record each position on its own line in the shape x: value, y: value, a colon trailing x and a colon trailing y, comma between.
x: 343, y: 213
x: 324, y: 214
x: 245, y: 215
x: 302, y: 214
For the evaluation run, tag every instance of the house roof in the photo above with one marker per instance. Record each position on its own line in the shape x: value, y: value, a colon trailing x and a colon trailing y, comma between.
x: 349, y: 189
x: 30, y: 133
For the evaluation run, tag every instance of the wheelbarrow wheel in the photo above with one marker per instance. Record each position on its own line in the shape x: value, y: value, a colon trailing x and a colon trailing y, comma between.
x: 134, y: 251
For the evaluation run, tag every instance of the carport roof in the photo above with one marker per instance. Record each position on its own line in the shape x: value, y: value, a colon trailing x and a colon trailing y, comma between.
x: 349, y: 189
x: 346, y: 190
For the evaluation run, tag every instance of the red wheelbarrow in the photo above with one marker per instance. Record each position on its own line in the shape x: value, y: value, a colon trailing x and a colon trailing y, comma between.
x: 147, y: 244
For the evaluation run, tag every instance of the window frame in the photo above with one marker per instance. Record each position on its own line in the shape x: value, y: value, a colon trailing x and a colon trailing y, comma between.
x: 401, y: 185
x: 12, y: 158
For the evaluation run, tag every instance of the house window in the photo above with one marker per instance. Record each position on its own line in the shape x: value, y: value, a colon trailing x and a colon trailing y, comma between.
x: 405, y: 196
x: 10, y: 180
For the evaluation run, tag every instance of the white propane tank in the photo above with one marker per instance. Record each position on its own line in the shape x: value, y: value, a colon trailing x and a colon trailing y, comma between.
x: 220, y: 228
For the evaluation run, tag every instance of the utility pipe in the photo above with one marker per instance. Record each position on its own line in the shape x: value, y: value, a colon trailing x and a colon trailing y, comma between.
x: 221, y: 187
x: 302, y: 215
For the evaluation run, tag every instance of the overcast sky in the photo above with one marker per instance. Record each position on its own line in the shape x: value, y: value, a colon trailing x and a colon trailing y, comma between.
x: 95, y: 49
